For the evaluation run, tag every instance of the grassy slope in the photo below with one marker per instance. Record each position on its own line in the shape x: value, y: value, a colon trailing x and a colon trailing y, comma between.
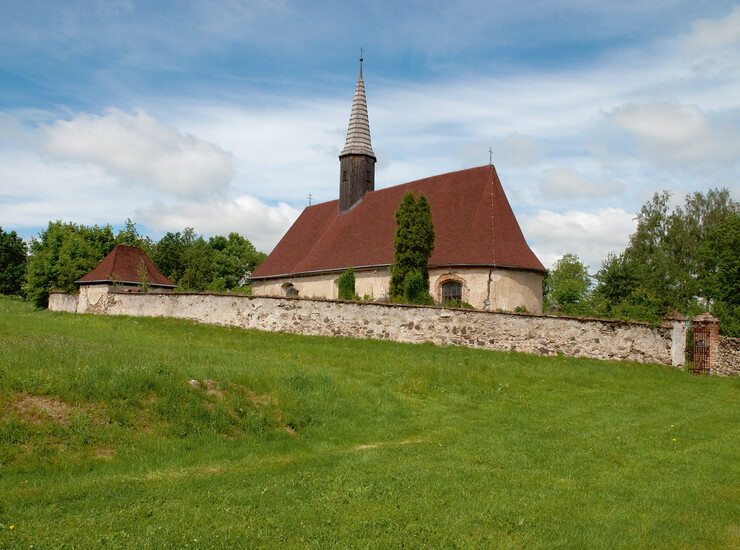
x: 308, y: 442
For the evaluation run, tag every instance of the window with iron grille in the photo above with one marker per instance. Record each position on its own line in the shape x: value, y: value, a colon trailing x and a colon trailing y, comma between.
x: 452, y: 292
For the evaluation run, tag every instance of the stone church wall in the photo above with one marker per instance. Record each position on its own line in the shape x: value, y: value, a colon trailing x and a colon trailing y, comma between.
x: 483, y: 288
x: 535, y: 334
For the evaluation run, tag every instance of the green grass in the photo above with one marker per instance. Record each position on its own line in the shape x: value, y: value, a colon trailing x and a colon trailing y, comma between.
x: 286, y: 441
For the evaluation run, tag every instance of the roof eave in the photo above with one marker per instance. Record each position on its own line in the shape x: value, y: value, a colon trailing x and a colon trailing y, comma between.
x: 368, y: 267
x: 109, y: 282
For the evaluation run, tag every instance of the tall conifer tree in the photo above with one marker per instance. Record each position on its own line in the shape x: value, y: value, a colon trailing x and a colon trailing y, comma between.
x: 414, y: 242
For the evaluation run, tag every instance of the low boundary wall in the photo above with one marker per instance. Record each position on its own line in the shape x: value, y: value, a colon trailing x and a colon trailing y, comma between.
x: 728, y: 362
x: 535, y: 334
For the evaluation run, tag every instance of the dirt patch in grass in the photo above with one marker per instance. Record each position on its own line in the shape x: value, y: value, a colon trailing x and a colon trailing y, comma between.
x: 103, y: 453
x: 37, y: 410
x: 384, y: 443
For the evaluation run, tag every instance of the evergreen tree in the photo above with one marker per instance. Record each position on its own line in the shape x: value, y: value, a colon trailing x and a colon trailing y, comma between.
x: 13, y: 262
x: 414, y: 243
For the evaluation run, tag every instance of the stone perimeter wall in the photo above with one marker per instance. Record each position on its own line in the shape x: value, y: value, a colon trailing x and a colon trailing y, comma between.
x: 535, y: 334
x: 728, y: 362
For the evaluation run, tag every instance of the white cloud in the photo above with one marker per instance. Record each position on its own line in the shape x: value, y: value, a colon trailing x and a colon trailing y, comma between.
x: 565, y: 183
x: 589, y: 235
x: 262, y: 224
x: 681, y: 134
x: 137, y: 148
x: 712, y: 34
x: 513, y: 151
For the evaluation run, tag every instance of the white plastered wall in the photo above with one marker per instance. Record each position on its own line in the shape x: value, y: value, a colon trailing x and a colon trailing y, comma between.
x: 483, y: 288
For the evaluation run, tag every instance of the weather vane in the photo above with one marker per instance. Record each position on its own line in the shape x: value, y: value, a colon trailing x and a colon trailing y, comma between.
x: 490, y: 155
x: 310, y: 197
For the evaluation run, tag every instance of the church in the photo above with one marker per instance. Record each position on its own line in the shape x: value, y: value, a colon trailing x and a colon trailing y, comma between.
x: 480, y: 254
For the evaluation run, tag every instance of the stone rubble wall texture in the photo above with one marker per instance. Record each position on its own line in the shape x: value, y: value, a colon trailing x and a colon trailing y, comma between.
x: 534, y: 334
x: 728, y: 362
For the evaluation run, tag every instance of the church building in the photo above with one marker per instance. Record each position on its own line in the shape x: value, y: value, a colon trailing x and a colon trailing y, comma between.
x: 480, y: 255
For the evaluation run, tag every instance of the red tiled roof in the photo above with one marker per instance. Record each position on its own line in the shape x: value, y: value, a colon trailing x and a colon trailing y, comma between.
x: 473, y: 223
x: 121, y: 265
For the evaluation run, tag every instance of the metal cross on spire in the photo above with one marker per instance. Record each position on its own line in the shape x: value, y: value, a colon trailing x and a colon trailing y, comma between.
x: 490, y: 155
x: 361, y: 50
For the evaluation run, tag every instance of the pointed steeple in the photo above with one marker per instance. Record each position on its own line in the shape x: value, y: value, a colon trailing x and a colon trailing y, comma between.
x: 358, y: 133
x: 357, y: 159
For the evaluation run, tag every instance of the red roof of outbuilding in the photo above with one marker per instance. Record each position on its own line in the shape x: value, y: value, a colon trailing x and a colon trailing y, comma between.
x: 122, y: 265
x: 473, y: 223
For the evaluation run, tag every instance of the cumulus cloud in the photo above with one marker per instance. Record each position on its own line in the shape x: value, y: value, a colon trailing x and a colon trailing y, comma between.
x: 712, y: 34
x: 262, y: 224
x: 567, y: 183
x: 137, y: 148
x: 681, y: 134
x: 589, y: 235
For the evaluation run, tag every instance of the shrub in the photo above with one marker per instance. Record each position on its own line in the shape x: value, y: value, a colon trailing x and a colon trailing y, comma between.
x: 346, y: 285
x: 414, y: 289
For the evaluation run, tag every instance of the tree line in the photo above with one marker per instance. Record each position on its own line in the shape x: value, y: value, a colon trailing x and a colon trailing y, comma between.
x: 685, y: 258
x: 64, y: 252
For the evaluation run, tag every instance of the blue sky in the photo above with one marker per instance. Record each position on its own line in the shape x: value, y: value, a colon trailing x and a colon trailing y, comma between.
x: 224, y: 116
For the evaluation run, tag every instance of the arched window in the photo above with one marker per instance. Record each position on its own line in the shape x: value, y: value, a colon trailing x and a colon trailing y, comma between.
x: 452, y: 292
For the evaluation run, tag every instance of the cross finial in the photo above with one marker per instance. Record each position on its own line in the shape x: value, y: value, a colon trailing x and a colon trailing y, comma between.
x: 361, y: 50
x: 310, y: 197
x: 490, y: 155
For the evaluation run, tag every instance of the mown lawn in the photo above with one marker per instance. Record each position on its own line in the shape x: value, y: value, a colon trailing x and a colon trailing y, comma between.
x: 142, y: 433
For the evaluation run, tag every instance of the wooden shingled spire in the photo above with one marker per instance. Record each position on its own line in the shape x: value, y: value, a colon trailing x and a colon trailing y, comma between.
x: 357, y: 159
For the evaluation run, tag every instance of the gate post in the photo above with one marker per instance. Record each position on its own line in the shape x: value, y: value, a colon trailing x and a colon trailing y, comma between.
x: 677, y: 323
x: 706, y: 343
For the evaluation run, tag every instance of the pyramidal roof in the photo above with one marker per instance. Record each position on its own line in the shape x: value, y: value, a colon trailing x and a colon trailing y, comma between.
x: 473, y: 223
x: 122, y: 265
x: 358, y: 133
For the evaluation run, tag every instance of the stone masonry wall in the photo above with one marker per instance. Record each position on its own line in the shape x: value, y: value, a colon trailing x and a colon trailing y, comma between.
x: 728, y: 362
x: 535, y: 334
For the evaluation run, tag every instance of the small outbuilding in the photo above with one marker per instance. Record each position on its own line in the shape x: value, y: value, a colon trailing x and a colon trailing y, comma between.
x: 126, y: 268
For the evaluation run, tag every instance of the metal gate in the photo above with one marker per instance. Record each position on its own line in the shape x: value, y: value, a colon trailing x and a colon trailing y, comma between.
x: 702, y: 338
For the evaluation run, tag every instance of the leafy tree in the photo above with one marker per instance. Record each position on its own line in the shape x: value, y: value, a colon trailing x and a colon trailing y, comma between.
x: 719, y: 258
x: 414, y: 243
x: 660, y: 269
x: 568, y: 286
x: 13, y: 262
x: 199, y: 259
x: 129, y: 236
x: 346, y: 284
x: 64, y: 253
x: 169, y: 255
x: 235, y: 259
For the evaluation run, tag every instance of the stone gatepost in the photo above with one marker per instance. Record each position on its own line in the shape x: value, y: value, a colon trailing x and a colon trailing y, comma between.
x: 678, y: 326
x: 706, y: 343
